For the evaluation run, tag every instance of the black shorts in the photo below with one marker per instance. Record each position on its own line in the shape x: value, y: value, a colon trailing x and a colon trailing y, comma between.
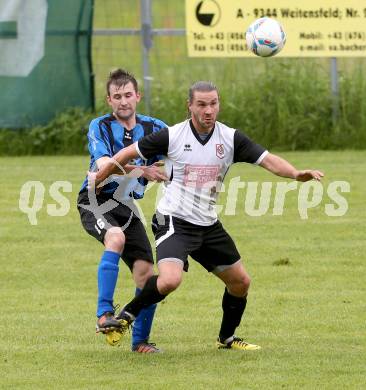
x: 137, y: 244
x: 211, y: 246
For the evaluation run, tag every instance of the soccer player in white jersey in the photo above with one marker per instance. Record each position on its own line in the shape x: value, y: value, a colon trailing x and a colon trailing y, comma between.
x: 199, y: 153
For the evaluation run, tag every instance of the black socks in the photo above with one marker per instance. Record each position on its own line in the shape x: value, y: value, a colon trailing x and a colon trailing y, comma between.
x: 148, y: 296
x: 233, y: 308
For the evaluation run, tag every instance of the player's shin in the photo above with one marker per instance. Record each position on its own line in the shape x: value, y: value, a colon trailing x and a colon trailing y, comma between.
x: 107, y: 279
x: 148, y: 296
x: 143, y: 323
x: 233, y: 310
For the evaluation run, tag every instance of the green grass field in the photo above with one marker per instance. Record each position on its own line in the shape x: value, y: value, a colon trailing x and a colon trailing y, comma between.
x: 306, y: 309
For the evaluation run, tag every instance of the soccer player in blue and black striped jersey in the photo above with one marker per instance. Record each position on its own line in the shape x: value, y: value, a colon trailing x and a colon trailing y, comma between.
x: 110, y: 215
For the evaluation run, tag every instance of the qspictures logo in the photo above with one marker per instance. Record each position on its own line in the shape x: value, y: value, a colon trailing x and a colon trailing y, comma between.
x: 208, y: 13
x: 253, y: 199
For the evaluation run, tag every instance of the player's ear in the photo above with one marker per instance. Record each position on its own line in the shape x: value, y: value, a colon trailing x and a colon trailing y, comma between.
x: 108, y: 99
x: 189, y: 112
x: 138, y: 96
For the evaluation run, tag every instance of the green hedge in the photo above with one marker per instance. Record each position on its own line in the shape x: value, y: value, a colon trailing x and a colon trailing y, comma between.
x: 65, y: 135
x: 286, y: 108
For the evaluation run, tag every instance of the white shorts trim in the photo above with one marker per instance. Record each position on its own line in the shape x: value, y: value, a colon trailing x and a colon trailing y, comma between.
x: 171, y: 260
x: 221, y: 268
x: 169, y: 233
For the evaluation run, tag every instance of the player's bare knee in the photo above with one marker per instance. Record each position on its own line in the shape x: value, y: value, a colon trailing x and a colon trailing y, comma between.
x: 168, y: 284
x: 114, y: 240
x: 240, y: 286
x: 142, y: 272
x: 243, y: 285
x: 146, y: 273
x: 246, y: 282
x: 170, y: 275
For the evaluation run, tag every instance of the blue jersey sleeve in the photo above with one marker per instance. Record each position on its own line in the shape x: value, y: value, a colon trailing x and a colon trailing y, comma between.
x: 159, y: 125
x: 99, y: 144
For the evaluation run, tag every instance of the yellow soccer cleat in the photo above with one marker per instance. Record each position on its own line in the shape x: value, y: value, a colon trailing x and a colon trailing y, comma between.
x: 113, y: 337
x: 108, y: 325
x: 236, y: 343
x: 114, y: 327
x: 125, y: 322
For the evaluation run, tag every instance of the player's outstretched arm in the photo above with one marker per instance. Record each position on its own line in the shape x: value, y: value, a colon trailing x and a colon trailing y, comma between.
x: 283, y: 168
x: 116, y: 170
x: 118, y: 165
x: 114, y: 165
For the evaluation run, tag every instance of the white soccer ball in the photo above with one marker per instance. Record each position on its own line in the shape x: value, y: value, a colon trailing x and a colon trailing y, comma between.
x: 265, y: 37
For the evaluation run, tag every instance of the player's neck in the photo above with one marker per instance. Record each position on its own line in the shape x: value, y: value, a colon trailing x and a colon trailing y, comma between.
x: 129, y: 123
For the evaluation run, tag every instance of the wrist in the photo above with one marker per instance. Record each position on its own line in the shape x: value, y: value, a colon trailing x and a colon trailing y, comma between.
x: 143, y: 169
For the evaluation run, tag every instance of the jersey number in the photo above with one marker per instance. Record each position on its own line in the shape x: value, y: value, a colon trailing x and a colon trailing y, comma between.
x: 100, y: 224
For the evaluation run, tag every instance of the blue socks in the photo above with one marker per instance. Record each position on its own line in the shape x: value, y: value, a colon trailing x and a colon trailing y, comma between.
x: 143, y: 323
x: 107, y: 280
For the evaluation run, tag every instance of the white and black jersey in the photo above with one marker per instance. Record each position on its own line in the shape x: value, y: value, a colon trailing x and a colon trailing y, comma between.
x: 196, y: 167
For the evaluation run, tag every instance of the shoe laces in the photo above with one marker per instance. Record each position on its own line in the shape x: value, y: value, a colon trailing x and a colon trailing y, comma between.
x: 239, y: 341
x: 116, y: 308
x: 127, y: 325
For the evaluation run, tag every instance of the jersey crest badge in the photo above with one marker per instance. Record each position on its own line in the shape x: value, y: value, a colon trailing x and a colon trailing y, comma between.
x: 220, y: 151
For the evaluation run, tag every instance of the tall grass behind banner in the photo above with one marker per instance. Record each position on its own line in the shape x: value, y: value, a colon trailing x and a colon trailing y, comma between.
x: 350, y: 129
x: 285, y: 106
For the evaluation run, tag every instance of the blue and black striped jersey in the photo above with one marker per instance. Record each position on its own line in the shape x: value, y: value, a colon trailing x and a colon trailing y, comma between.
x: 107, y: 137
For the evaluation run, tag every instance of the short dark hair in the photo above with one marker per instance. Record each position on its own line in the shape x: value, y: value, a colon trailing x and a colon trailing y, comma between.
x: 201, y: 86
x: 121, y: 77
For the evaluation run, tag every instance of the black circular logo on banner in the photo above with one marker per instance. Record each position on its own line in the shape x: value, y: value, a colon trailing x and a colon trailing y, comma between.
x: 208, y: 12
